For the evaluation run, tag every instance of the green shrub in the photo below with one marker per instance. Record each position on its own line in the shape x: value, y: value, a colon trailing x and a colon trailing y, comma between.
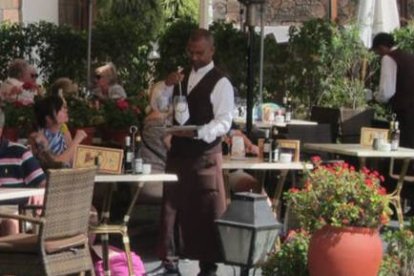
x: 291, y: 259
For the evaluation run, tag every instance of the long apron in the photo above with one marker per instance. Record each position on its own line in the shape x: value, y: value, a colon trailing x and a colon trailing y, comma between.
x: 195, y: 201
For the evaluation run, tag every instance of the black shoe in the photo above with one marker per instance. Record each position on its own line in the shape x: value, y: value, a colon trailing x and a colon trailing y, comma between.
x: 164, y: 269
x: 207, y: 269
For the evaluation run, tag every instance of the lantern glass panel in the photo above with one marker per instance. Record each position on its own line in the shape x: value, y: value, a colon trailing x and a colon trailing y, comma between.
x: 265, y: 240
x: 236, y: 243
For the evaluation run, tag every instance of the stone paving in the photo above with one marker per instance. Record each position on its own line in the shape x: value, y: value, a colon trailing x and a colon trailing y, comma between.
x: 144, y: 234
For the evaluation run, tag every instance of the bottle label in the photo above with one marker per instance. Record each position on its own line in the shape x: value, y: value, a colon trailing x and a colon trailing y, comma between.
x: 138, y: 165
x: 288, y: 116
x: 395, y: 144
x: 276, y: 155
x: 129, y: 157
x: 266, y: 147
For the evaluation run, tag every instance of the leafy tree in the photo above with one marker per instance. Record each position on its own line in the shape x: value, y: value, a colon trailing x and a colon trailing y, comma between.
x: 172, y: 47
x: 325, y: 65
x: 176, y: 9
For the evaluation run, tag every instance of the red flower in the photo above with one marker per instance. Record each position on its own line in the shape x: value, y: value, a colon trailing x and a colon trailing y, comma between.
x: 294, y: 190
x: 369, y: 182
x: 28, y: 86
x: 122, y: 104
x: 316, y: 160
x: 382, y: 191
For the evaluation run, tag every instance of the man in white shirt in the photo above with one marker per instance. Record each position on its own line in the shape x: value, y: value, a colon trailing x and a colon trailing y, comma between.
x: 397, y: 84
x: 203, y: 97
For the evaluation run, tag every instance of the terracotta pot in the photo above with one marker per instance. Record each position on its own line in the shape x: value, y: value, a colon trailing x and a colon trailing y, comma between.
x: 11, y: 133
x: 345, y: 251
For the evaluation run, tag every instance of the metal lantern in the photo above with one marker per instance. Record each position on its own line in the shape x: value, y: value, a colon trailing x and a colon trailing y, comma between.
x: 248, y: 230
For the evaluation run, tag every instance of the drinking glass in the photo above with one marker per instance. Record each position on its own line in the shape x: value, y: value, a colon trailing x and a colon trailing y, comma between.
x: 181, y: 109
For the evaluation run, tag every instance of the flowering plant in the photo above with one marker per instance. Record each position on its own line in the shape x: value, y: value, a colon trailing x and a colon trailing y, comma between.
x: 340, y: 196
x: 122, y: 113
x: 82, y: 113
x: 291, y: 258
x: 18, y: 114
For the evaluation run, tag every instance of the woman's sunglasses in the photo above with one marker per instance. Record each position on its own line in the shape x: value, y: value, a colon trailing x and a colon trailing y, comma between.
x: 98, y: 77
x: 34, y: 76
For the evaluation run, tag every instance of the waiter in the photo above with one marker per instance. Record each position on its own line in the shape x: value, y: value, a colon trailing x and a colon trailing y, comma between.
x: 202, y: 97
x: 397, y: 84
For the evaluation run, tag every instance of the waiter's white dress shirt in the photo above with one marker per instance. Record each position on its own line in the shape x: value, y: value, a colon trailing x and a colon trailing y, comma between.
x: 222, y: 99
x: 388, y: 79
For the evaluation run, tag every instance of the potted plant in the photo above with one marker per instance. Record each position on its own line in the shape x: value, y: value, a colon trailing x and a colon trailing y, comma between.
x: 82, y: 115
x: 119, y: 116
x: 344, y: 209
x: 19, y: 120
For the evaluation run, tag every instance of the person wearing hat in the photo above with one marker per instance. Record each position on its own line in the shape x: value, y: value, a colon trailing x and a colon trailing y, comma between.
x: 397, y: 84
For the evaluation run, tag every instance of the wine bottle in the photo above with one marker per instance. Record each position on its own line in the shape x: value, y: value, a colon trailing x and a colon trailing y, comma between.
x: 288, y: 112
x: 128, y: 155
x: 138, y: 162
x: 275, y: 132
x: 276, y: 152
x: 267, y: 147
x: 392, y: 126
x: 395, y: 136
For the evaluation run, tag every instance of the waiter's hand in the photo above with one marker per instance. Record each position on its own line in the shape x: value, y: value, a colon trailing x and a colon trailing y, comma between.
x: 174, y: 78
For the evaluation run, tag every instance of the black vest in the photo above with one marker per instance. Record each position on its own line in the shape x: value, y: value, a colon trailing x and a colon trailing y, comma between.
x: 403, y: 98
x: 201, y: 113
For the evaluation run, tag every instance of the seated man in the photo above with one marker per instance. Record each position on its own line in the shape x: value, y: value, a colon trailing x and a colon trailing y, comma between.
x: 18, y: 168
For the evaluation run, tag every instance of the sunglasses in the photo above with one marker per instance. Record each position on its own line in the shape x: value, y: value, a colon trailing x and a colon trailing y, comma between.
x: 98, y: 77
x: 34, y: 76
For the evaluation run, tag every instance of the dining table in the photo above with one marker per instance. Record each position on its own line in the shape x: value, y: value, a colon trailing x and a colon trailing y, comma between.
x: 260, y: 166
x: 105, y: 227
x: 363, y: 153
x: 270, y: 124
x: 17, y: 193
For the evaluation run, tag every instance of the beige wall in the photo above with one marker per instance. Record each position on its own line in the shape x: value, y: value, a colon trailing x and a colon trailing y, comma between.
x: 10, y: 10
x: 286, y: 12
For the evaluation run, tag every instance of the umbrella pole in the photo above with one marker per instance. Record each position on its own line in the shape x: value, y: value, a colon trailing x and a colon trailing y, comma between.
x: 250, y: 80
x: 88, y: 58
x: 261, y: 54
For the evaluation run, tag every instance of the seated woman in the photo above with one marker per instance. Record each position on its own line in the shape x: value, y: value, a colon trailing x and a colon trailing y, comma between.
x: 64, y: 87
x: 153, y: 136
x: 51, y: 113
x: 107, y: 86
x: 20, y: 86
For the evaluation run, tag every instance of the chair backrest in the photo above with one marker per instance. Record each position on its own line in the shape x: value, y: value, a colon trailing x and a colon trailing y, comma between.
x: 327, y: 115
x: 68, y: 199
x: 351, y: 123
x: 320, y: 133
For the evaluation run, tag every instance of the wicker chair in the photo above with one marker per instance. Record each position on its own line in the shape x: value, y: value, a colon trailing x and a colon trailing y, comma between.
x: 61, y: 246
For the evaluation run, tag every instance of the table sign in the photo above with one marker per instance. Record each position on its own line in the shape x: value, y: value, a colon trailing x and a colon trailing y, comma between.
x: 369, y: 133
x: 293, y: 146
x: 109, y: 159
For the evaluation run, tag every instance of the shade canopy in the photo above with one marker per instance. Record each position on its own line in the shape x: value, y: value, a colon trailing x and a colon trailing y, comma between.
x: 375, y: 16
